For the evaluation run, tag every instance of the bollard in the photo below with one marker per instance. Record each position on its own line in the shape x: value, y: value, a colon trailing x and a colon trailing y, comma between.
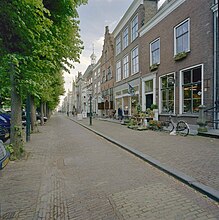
x: 201, y: 121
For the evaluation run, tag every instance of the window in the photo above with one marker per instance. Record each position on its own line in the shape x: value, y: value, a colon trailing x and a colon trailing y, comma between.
x: 104, y: 76
x: 182, y: 35
x: 95, y: 87
x: 98, y: 72
x: 125, y: 67
x: 135, y: 61
x: 149, y: 86
x: 95, y: 75
x: 98, y: 87
x: 125, y: 38
x: 118, y: 45
x: 109, y: 73
x: 192, y: 89
x: 118, y: 71
x: 105, y: 55
x: 167, y: 93
x: 135, y: 28
x: 155, y: 52
x: 149, y: 93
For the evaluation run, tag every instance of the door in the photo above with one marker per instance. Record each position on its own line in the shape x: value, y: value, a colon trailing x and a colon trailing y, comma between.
x: 149, y: 100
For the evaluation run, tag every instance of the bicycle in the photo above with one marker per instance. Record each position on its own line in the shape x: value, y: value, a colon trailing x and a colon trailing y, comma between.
x: 180, y: 127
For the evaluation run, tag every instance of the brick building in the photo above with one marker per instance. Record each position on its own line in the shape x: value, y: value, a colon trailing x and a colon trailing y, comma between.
x: 97, y: 95
x: 126, y: 58
x: 107, y: 74
x: 176, y: 58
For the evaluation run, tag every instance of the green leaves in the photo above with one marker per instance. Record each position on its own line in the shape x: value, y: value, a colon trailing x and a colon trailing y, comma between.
x: 39, y: 38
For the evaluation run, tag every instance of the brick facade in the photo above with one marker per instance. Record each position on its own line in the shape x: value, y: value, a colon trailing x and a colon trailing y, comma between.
x: 201, y: 47
x: 107, y: 73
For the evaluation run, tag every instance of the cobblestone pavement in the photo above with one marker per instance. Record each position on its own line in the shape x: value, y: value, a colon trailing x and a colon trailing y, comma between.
x: 72, y: 173
x: 195, y: 156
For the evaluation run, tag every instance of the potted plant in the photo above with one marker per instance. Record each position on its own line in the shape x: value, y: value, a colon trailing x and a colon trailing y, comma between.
x: 180, y: 56
x: 154, y: 67
x: 154, y: 108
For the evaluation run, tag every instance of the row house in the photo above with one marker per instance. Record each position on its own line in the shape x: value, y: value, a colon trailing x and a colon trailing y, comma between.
x: 159, y: 54
x: 176, y: 59
x: 78, y: 92
x: 97, y: 100
x: 126, y: 56
x: 107, y: 74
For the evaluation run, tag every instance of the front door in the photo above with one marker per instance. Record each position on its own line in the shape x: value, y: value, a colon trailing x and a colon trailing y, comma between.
x: 149, y: 100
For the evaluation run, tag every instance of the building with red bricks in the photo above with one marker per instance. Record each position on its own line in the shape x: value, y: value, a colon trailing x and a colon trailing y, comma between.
x: 127, y: 87
x: 176, y: 59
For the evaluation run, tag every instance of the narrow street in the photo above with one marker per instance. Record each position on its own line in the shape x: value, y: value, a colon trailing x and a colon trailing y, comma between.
x: 71, y: 173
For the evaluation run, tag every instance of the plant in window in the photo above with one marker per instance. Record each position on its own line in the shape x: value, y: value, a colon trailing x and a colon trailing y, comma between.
x: 180, y: 56
x: 154, y: 106
x: 154, y: 66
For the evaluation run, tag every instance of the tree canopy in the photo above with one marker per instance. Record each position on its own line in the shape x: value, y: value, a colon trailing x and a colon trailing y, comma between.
x: 38, y: 40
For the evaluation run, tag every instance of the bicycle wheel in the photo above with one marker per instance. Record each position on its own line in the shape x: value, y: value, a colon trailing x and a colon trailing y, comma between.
x: 182, y: 128
x: 168, y: 126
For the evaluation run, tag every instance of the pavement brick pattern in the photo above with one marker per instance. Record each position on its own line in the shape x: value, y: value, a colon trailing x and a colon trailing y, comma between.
x: 72, y: 173
x: 143, y: 203
x: 195, y: 156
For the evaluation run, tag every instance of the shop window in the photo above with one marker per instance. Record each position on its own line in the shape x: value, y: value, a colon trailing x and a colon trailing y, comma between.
x: 192, y: 89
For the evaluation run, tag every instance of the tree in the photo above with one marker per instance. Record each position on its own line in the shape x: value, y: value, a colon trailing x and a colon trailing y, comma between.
x: 37, y: 41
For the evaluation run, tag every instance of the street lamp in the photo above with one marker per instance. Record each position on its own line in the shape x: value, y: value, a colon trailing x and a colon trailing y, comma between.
x: 90, y: 109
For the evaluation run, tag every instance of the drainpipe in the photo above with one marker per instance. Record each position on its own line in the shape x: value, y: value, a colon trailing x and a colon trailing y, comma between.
x: 216, y: 60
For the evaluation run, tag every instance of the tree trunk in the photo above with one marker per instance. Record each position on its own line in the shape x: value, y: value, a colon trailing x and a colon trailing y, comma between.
x: 41, y: 114
x: 16, y: 121
x: 33, y: 115
x: 44, y: 109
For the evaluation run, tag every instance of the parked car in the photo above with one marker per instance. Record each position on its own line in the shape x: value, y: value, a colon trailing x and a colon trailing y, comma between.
x: 38, y: 117
x: 4, y: 156
x: 4, y: 134
x: 5, y: 122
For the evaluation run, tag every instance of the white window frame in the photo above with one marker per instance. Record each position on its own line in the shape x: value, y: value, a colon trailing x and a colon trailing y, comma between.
x: 126, y: 66
x: 118, y: 71
x: 98, y: 87
x: 135, y: 61
x: 118, y: 45
x: 180, y: 24
x: 134, y: 28
x: 160, y: 93
x: 151, y: 63
x: 180, y: 86
x: 125, y: 38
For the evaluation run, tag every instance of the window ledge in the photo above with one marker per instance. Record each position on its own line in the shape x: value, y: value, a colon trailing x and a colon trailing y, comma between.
x: 154, y: 66
x: 180, y: 56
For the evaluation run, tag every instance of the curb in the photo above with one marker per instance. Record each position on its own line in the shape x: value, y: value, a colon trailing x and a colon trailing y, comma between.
x: 208, y: 135
x: 190, y: 181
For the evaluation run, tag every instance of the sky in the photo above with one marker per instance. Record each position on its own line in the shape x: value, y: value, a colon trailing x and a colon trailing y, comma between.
x: 94, y: 17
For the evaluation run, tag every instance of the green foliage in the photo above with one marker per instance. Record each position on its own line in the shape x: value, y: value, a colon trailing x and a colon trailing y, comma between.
x: 38, y: 40
x: 154, y: 106
x: 180, y: 56
x: 9, y: 148
x: 155, y: 125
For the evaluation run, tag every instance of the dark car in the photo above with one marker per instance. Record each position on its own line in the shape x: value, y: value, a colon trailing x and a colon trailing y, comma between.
x: 5, y: 122
x: 4, y: 134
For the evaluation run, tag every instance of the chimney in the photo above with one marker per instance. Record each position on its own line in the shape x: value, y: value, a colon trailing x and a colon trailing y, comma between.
x: 150, y: 7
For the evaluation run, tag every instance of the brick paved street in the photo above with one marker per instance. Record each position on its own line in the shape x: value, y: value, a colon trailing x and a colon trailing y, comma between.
x: 195, y: 156
x: 71, y: 173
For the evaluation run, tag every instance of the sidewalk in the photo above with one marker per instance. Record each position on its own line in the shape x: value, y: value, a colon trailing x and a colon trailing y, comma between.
x: 192, y: 159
